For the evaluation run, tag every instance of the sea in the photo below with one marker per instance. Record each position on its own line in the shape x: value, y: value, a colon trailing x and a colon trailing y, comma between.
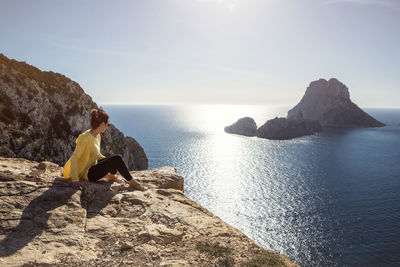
x: 330, y: 199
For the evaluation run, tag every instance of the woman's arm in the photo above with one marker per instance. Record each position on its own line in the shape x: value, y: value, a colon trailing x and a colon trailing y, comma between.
x: 81, y: 144
x: 100, y: 156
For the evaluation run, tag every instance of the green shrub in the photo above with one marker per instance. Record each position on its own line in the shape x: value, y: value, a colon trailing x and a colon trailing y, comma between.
x: 73, y: 110
x: 213, y: 249
x: 6, y: 79
x: 266, y: 258
x: 24, y: 119
x: 227, y: 261
x: 60, y: 126
x: 7, y: 115
x: 52, y: 81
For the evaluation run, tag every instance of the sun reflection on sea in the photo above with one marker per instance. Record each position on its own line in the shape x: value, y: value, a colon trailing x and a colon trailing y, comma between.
x: 226, y: 155
x: 213, y: 118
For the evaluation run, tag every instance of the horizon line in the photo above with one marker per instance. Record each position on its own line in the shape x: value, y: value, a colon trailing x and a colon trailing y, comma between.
x: 213, y: 104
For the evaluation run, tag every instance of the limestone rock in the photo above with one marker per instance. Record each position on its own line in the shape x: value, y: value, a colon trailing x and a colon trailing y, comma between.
x: 329, y: 103
x: 42, y: 113
x: 161, y: 234
x: 174, y: 263
x: 282, y: 128
x: 164, y: 177
x: 244, y: 126
x: 43, y: 222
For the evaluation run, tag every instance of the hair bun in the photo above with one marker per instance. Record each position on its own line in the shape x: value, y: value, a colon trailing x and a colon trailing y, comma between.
x: 98, y: 116
x: 94, y: 113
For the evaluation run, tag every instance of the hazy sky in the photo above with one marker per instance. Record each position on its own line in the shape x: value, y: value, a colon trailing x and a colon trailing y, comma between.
x: 210, y: 51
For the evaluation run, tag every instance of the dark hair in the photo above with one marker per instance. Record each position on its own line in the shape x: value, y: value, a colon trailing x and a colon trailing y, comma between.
x: 97, y: 117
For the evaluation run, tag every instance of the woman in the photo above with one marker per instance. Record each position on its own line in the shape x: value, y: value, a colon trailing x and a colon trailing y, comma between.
x: 88, y: 164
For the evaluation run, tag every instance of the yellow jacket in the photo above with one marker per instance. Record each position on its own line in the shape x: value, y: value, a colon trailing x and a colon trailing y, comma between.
x: 86, y: 154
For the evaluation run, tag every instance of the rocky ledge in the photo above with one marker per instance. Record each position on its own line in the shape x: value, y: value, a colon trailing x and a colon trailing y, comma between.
x: 244, y: 126
x: 282, y: 128
x: 43, y: 221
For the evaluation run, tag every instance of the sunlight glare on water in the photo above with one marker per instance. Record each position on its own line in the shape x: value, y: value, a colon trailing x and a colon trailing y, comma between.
x: 324, y: 200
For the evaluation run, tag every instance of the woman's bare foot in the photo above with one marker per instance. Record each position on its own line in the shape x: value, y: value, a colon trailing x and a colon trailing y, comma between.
x: 135, y: 185
x: 113, y: 178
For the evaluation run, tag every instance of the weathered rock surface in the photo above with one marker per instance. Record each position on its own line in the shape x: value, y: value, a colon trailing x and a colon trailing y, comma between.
x: 282, y: 128
x: 244, y: 126
x: 329, y: 103
x: 42, y: 113
x: 43, y: 221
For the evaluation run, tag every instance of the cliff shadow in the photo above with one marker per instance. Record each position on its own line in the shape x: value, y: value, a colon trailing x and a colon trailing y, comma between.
x: 35, y: 216
x: 96, y: 196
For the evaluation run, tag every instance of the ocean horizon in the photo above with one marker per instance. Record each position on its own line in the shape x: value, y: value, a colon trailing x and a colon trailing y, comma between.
x: 330, y: 199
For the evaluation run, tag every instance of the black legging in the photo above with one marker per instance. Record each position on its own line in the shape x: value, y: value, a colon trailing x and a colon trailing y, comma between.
x: 107, y: 165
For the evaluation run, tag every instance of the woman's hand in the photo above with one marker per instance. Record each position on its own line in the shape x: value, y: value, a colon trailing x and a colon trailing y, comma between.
x: 76, y: 185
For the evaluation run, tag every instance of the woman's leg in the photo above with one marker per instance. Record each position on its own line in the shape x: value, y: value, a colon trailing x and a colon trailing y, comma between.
x: 108, y: 165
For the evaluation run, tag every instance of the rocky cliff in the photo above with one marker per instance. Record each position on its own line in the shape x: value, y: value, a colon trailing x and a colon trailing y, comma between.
x: 44, y: 222
x: 42, y: 113
x: 329, y: 103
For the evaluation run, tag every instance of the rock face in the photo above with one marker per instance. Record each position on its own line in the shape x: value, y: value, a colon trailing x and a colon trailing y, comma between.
x: 244, y: 126
x: 43, y: 222
x: 329, y: 103
x: 42, y: 113
x: 282, y: 128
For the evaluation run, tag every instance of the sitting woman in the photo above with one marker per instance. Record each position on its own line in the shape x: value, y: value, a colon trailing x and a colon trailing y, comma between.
x: 88, y: 164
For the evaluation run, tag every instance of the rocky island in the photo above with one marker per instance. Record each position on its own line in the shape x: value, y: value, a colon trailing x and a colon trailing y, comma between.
x: 329, y: 103
x: 244, y: 126
x: 325, y: 104
x: 283, y: 128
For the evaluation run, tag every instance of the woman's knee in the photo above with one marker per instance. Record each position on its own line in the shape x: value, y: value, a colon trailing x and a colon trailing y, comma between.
x: 116, y: 157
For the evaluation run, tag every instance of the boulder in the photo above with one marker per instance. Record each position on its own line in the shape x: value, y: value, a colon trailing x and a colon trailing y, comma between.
x: 244, y: 126
x: 329, y: 103
x: 283, y: 128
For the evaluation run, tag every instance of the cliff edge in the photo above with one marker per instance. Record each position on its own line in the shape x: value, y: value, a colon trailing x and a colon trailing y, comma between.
x: 42, y: 113
x: 43, y: 221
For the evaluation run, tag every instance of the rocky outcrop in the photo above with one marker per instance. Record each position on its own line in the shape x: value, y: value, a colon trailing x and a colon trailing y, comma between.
x: 244, y: 126
x: 329, y: 103
x: 325, y: 104
x: 42, y: 113
x: 44, y: 222
x: 282, y: 128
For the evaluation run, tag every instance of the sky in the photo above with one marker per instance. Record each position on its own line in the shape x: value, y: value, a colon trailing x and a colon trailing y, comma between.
x: 245, y: 52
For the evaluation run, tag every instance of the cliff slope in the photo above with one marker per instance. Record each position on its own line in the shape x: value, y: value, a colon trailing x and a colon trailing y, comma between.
x: 44, y: 221
x: 42, y: 113
x: 329, y: 103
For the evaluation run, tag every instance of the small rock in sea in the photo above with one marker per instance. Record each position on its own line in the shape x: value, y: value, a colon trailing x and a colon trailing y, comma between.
x: 244, y: 126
